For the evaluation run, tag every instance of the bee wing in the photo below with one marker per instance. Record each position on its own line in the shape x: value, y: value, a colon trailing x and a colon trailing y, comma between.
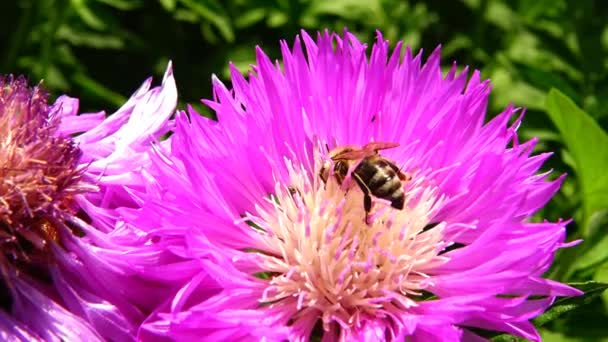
x: 353, y: 155
x: 379, y: 145
x: 368, y: 150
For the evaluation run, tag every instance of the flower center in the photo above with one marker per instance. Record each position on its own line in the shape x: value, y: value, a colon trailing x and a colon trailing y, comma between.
x: 39, y: 178
x: 325, y: 260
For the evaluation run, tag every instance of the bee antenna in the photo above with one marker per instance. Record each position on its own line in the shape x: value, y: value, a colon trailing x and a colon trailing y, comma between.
x: 327, y: 147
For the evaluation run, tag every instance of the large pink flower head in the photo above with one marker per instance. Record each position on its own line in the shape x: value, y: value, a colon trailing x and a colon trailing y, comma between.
x: 63, y: 180
x: 347, y: 196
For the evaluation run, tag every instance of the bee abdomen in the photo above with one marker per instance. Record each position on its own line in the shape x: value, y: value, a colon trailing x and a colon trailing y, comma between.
x: 382, y: 182
x: 398, y: 199
x: 388, y: 188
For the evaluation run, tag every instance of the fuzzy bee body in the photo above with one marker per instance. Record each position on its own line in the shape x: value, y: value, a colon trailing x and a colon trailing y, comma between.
x: 381, y: 178
x: 374, y: 174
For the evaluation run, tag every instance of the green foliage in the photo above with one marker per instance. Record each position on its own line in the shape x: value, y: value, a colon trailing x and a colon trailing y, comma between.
x: 100, y: 50
x: 580, y: 132
x: 592, y: 290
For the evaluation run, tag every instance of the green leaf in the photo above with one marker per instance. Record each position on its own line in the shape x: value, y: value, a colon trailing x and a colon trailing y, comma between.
x: 277, y: 18
x: 592, y: 290
x: 250, y: 17
x: 545, y: 79
x: 592, y: 255
x: 168, y: 5
x: 88, y: 16
x: 561, y: 306
x: 507, y: 338
x: 213, y: 12
x: 552, y: 336
x: 601, y: 275
x: 124, y: 5
x: 586, y: 323
x: 586, y: 142
x: 185, y: 15
x: 242, y: 57
x: 349, y: 9
x: 100, y: 91
x: 91, y: 39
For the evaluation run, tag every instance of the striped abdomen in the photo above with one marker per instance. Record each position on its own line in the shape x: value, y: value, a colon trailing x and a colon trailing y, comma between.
x: 380, y: 177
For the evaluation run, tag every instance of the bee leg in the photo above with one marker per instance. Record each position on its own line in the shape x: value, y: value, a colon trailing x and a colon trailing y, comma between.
x: 367, y: 199
x: 367, y: 205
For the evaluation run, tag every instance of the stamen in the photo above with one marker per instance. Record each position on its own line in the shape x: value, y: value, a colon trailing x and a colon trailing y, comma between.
x: 325, y: 256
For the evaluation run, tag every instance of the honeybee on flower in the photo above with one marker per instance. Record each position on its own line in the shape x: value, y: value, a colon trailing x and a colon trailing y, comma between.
x: 274, y: 241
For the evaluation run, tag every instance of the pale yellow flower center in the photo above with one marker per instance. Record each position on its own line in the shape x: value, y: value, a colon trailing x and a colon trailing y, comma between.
x: 321, y: 255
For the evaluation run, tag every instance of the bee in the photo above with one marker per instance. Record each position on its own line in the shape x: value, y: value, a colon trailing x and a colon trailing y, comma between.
x: 374, y: 174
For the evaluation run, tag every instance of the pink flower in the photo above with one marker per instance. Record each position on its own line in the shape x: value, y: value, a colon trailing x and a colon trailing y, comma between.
x: 271, y: 235
x: 65, y: 264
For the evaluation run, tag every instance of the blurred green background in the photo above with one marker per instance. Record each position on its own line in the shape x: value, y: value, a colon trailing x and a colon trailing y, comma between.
x: 101, y: 50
